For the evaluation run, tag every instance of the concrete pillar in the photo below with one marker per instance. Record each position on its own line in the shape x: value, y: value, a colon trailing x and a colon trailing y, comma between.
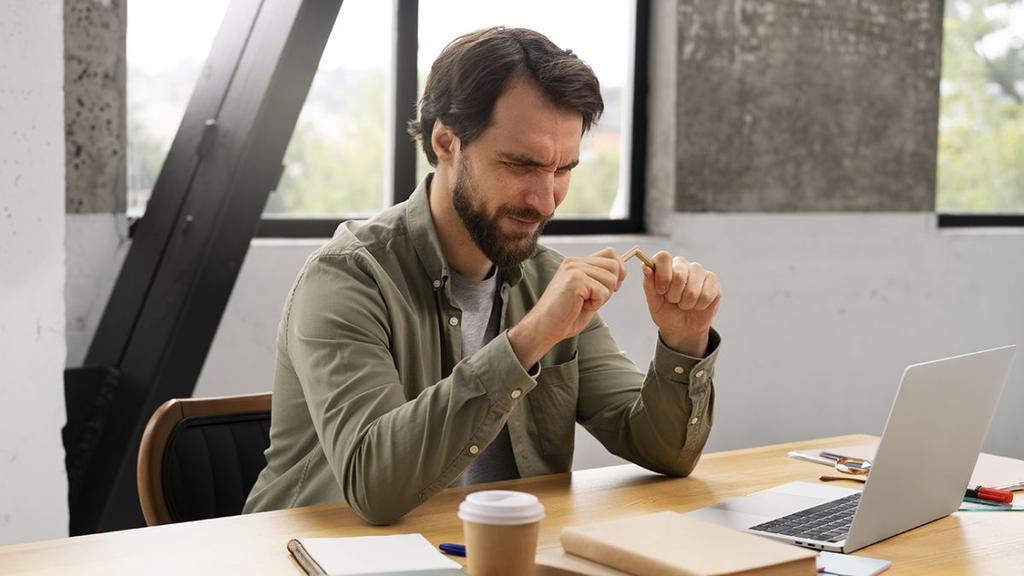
x: 94, y: 98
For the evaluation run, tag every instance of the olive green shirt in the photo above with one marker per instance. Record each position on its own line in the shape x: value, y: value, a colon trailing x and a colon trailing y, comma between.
x: 372, y: 404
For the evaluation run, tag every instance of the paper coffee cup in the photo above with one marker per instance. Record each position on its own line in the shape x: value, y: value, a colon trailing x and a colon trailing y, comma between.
x: 501, y: 528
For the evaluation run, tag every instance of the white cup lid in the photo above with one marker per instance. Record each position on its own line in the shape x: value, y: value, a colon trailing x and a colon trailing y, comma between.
x: 503, y: 507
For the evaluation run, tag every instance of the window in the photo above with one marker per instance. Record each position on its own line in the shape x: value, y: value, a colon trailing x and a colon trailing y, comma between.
x: 599, y: 186
x: 341, y: 159
x: 981, y: 123
x: 160, y: 81
x: 336, y: 159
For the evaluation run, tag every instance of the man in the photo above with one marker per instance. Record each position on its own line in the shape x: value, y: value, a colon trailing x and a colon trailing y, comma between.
x: 438, y: 344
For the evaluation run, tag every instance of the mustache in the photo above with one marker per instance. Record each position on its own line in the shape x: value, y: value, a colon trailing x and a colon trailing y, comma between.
x: 524, y: 214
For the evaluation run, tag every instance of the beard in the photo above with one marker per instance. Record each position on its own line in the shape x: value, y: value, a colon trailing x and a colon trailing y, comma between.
x: 504, y: 249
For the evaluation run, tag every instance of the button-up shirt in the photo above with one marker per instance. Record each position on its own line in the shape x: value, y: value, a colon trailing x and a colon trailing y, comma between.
x: 374, y: 404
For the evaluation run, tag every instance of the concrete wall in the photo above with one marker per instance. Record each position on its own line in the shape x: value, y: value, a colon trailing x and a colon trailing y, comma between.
x: 33, y: 486
x: 807, y: 105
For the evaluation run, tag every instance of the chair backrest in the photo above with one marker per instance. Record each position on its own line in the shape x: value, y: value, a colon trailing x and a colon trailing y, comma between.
x: 200, y: 457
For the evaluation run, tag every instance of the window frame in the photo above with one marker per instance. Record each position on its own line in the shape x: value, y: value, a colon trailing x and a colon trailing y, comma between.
x: 980, y: 220
x: 402, y: 176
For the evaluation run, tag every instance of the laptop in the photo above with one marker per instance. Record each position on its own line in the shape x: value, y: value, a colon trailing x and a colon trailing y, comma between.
x: 922, y: 466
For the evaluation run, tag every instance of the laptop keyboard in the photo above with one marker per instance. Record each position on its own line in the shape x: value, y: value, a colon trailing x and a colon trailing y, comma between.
x: 828, y: 522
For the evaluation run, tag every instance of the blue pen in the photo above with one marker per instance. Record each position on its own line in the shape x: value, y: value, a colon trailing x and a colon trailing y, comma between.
x: 453, y: 549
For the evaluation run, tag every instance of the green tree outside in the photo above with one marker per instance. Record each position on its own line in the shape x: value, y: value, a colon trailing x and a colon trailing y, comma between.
x: 981, y: 126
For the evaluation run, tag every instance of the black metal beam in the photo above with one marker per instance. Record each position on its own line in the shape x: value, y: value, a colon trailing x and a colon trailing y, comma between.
x: 406, y: 83
x: 204, y: 211
x: 638, y: 138
x: 150, y: 234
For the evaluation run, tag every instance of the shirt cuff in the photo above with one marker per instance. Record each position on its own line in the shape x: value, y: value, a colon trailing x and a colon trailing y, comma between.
x: 678, y: 367
x: 498, y: 370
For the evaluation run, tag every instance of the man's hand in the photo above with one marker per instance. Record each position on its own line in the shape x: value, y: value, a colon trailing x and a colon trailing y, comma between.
x: 683, y: 299
x: 579, y: 288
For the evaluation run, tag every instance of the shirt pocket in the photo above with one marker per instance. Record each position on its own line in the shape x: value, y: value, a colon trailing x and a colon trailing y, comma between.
x: 553, y: 406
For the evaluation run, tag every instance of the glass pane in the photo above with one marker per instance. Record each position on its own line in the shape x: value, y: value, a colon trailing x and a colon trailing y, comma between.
x: 981, y: 124
x: 602, y: 35
x: 167, y: 43
x: 337, y: 160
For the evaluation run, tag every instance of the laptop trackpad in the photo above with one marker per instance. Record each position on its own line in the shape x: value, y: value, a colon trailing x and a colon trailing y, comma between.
x: 756, y: 508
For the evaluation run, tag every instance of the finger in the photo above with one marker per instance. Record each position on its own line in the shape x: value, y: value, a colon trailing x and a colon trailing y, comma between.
x: 610, y: 260
x: 694, y: 286
x: 596, y: 295
x: 607, y: 270
x: 654, y: 300
x: 662, y: 271
x: 710, y: 293
x: 680, y: 273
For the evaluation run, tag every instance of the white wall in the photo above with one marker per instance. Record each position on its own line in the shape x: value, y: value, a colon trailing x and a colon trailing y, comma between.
x: 33, y: 486
x: 821, y: 313
x: 96, y: 247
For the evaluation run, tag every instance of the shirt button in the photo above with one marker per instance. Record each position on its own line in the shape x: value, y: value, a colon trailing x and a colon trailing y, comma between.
x: 679, y: 370
x: 474, y: 449
x: 437, y: 283
x: 454, y: 321
x: 699, y: 374
x: 693, y: 421
x: 516, y: 394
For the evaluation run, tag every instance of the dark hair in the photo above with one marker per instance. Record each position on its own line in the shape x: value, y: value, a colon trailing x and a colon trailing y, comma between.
x: 473, y: 70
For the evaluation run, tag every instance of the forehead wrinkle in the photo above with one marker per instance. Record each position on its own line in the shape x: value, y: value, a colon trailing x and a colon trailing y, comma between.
x: 527, y: 122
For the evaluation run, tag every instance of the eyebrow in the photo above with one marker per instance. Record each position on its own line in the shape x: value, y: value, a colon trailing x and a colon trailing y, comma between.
x: 524, y: 160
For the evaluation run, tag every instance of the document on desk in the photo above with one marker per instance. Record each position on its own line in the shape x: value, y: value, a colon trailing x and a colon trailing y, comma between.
x: 400, y: 554
x: 990, y: 470
x: 833, y: 564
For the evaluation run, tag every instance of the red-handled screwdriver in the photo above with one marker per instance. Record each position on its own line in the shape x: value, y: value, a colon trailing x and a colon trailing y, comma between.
x: 991, y: 494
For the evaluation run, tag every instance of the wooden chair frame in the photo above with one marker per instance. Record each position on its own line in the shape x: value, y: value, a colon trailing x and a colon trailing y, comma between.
x: 158, y: 430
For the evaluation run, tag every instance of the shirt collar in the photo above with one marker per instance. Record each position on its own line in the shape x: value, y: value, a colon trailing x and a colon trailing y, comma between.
x: 424, y: 238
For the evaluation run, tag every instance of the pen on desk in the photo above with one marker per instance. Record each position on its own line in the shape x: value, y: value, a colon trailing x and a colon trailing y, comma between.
x: 453, y: 549
x: 990, y: 494
x: 1015, y: 487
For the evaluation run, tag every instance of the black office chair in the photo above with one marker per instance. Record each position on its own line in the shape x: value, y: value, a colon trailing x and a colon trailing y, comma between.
x: 200, y: 457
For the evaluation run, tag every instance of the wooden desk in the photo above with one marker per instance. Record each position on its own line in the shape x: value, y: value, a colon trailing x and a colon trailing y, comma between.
x: 964, y: 543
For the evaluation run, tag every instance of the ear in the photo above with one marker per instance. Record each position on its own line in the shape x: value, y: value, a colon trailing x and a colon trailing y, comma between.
x: 444, y: 142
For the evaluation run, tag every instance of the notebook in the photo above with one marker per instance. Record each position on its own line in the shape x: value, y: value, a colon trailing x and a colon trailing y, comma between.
x: 670, y: 544
x: 400, y: 554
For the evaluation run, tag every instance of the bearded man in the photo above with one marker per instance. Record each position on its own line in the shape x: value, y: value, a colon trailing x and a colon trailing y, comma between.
x: 438, y: 344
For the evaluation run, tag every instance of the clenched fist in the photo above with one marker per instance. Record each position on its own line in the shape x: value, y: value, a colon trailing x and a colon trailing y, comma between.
x: 683, y: 299
x: 578, y: 290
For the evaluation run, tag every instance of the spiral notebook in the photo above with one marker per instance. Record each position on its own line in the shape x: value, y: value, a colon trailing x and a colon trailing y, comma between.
x: 400, y: 554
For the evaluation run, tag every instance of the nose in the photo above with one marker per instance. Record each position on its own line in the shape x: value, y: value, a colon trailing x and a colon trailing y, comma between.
x: 542, y: 194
